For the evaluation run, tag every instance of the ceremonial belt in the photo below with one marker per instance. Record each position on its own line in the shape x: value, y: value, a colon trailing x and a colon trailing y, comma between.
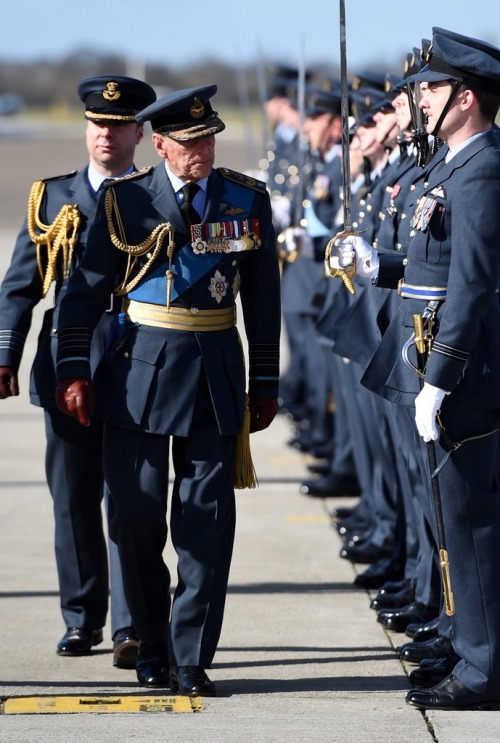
x: 429, y: 293
x: 178, y: 318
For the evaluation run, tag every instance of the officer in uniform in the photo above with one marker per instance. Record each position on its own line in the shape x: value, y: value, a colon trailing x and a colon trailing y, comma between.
x: 48, y: 249
x: 303, y: 274
x: 450, y: 276
x: 185, y: 240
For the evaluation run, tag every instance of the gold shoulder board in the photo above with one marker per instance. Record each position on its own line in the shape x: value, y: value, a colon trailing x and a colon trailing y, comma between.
x: 245, y: 180
x: 130, y: 177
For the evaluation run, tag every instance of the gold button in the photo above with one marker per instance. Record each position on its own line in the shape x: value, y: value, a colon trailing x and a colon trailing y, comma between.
x: 405, y: 261
x: 126, y: 354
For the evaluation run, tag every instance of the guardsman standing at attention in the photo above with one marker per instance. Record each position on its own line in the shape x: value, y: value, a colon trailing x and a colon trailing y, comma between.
x: 184, y: 239
x: 446, y: 374
x: 48, y: 249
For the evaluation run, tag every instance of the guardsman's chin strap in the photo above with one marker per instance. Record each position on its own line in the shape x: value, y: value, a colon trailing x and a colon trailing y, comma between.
x: 447, y: 107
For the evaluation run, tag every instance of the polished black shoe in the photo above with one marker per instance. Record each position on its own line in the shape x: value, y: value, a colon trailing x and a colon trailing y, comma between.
x: 432, y: 672
x: 378, y: 574
x: 415, y: 652
x: 340, y: 513
x: 191, y: 681
x: 363, y: 553
x: 451, y: 694
x: 330, y: 486
x: 423, y: 632
x: 125, y: 648
x: 397, y: 620
x: 393, y: 600
x: 78, y: 641
x: 394, y: 586
x: 319, y: 468
x: 152, y: 667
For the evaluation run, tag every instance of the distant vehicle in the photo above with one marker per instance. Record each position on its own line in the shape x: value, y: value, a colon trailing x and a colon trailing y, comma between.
x: 10, y: 103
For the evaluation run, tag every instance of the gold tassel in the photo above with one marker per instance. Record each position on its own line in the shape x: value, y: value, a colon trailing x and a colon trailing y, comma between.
x: 244, y: 471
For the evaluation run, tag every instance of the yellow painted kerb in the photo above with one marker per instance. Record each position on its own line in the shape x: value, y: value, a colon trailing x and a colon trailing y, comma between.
x: 78, y: 704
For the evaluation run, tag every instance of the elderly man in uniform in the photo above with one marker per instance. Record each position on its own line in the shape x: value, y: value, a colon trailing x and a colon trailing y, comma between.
x: 48, y: 249
x: 451, y: 273
x: 184, y: 239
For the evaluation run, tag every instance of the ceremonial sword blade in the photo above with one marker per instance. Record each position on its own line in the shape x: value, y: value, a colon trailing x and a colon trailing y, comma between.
x: 344, y: 111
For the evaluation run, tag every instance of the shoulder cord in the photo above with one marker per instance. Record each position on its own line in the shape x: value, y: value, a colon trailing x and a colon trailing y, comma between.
x: 56, y: 237
x: 156, y: 238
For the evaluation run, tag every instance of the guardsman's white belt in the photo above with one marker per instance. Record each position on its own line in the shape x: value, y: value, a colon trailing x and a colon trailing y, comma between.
x: 428, y: 293
x: 178, y: 318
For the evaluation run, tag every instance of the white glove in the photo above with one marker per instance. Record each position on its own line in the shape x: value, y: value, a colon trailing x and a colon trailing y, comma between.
x: 281, y: 209
x: 353, y: 246
x: 296, y: 238
x: 427, y: 404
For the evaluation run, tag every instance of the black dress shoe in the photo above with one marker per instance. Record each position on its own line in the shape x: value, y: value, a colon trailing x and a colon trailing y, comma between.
x: 451, y: 694
x: 364, y: 553
x: 397, y: 620
x: 330, y: 486
x: 125, y: 648
x: 415, y: 652
x: 79, y: 641
x: 342, y: 512
x: 191, y: 681
x: 394, y: 586
x: 319, y: 468
x: 152, y: 667
x: 378, y: 574
x: 423, y: 632
x: 393, y: 600
x: 432, y: 672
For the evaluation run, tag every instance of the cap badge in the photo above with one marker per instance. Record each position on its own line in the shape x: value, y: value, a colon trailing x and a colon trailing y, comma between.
x: 111, y: 92
x: 197, y: 109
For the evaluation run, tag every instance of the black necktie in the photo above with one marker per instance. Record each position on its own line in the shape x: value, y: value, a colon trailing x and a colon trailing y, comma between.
x: 189, y: 191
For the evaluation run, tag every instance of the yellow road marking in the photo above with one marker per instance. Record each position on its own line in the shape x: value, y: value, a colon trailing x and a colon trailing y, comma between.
x: 310, y: 518
x: 73, y: 704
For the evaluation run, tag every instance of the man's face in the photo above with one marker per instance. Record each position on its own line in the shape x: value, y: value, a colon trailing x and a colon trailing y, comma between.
x: 111, y: 146
x: 190, y: 160
x: 402, y: 109
x: 434, y: 97
x: 322, y: 131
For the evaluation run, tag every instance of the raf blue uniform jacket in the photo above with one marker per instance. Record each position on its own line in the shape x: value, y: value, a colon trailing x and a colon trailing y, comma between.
x: 149, y: 381
x: 458, y: 250
x: 22, y: 288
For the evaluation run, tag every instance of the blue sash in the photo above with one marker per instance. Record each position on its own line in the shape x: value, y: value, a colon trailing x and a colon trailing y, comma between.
x: 187, y: 266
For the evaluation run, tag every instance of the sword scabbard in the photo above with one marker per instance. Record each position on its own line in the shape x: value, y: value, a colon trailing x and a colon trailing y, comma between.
x: 449, y: 602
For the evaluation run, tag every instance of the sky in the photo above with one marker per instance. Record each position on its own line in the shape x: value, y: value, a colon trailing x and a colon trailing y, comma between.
x: 176, y: 33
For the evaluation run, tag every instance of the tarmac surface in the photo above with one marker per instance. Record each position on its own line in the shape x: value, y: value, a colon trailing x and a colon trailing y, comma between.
x: 301, y: 657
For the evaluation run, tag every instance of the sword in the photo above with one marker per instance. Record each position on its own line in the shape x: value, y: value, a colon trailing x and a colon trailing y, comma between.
x: 347, y: 273
x: 421, y: 339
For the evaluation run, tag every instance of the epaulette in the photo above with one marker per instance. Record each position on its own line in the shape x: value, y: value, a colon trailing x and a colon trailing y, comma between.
x: 59, y: 177
x: 130, y: 177
x: 245, y: 180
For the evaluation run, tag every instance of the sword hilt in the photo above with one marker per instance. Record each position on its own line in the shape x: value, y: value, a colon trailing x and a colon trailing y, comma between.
x: 348, y: 272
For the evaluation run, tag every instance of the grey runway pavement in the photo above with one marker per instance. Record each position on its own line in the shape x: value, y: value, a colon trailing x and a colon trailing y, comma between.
x: 301, y: 657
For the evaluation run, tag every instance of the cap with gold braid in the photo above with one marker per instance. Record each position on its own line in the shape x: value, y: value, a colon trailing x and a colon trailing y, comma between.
x: 184, y: 114
x: 114, y: 98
